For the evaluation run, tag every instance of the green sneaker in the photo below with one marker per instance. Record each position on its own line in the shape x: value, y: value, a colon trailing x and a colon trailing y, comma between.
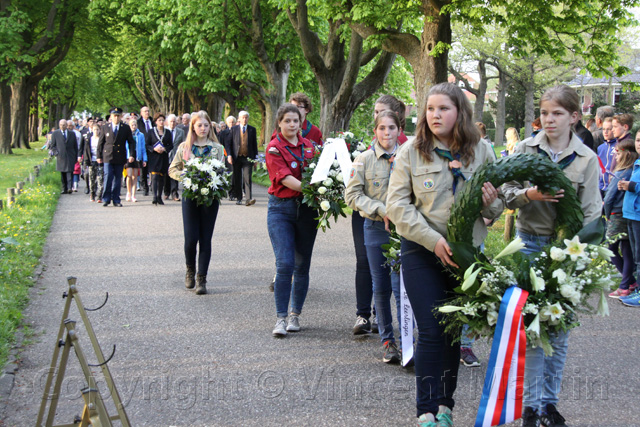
x: 445, y: 418
x: 425, y: 421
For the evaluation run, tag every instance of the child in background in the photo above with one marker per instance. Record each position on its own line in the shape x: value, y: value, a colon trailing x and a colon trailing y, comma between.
x: 631, y: 212
x: 625, y: 156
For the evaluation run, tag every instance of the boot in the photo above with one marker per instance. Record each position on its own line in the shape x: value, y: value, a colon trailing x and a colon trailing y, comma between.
x: 201, y: 281
x: 189, y: 279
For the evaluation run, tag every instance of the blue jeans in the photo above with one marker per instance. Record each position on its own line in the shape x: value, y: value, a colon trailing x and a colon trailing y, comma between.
x: 437, y: 355
x: 384, y: 280
x: 112, y: 183
x: 364, y: 287
x: 543, y: 374
x: 292, y: 230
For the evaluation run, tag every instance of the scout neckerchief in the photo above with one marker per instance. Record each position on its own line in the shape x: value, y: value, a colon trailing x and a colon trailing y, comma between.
x: 306, y: 131
x: 391, y: 157
x: 564, y: 163
x: 455, y: 171
x: 205, y: 150
x: 299, y: 158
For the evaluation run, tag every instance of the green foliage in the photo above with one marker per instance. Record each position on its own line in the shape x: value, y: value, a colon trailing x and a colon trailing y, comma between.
x: 538, y: 170
x: 23, y: 232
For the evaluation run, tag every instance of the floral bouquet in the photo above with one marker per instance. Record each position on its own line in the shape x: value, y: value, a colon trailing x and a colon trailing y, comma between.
x: 559, y: 279
x: 205, y: 180
x: 328, y: 195
x: 391, y: 250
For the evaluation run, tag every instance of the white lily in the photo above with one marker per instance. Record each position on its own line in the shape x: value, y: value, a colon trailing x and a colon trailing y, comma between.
x: 605, y: 253
x: 449, y: 309
x: 468, y: 271
x: 535, y: 325
x: 515, y: 246
x: 537, y: 283
x: 603, y: 305
x: 575, y: 249
x: 492, y: 317
x: 471, y: 279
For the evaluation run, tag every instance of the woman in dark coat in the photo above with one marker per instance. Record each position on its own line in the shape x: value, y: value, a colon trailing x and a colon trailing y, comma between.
x: 159, y: 144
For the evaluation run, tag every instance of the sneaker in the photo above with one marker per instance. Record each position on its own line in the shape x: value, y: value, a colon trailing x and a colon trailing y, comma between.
x: 633, y: 288
x: 530, y: 417
x: 425, y: 421
x: 374, y: 325
x: 272, y: 285
x: 445, y: 418
x: 280, y: 330
x: 362, y: 326
x: 551, y: 417
x: 391, y: 352
x: 293, y: 325
x: 133, y: 199
x: 619, y: 293
x: 468, y: 358
x: 633, y: 300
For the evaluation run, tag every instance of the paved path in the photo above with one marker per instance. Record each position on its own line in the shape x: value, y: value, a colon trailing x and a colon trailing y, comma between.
x: 187, y: 360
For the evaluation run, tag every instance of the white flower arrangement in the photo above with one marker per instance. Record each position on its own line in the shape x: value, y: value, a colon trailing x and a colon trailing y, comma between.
x: 205, y: 180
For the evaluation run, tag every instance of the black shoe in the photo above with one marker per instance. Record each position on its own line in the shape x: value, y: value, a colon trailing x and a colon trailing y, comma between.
x: 105, y: 204
x: 362, y: 326
x: 63, y: 192
x: 154, y: 201
x: 160, y: 202
x: 551, y: 417
x: 239, y: 202
x: 146, y: 192
x: 86, y: 191
x: 530, y: 417
x: 232, y: 198
x: 118, y: 205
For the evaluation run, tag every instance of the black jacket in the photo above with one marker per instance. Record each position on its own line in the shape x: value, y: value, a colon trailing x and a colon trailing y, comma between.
x: 585, y: 135
x: 112, y: 148
x: 158, y: 162
x: 66, y: 150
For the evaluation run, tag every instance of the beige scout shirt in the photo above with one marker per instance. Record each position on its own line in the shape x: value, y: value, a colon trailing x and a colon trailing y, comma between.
x: 538, y: 218
x: 177, y: 165
x: 421, y: 194
x: 367, y: 190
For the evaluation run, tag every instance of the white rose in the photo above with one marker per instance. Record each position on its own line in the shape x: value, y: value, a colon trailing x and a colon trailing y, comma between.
x: 204, y: 191
x: 336, y: 164
x: 327, y: 182
x: 325, y: 205
x: 339, y: 177
x: 312, y: 166
x: 557, y: 254
x: 322, y: 190
x: 559, y: 275
x: 187, y: 182
x: 570, y: 293
x: 348, y: 134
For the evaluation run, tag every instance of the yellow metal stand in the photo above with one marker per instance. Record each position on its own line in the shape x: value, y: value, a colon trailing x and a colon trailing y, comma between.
x: 94, y: 412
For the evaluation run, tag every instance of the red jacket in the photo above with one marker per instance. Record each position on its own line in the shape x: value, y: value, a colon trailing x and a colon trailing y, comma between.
x: 287, y: 162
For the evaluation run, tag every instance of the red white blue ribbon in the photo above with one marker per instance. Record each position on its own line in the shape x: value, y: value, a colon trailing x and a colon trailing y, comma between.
x: 501, y: 400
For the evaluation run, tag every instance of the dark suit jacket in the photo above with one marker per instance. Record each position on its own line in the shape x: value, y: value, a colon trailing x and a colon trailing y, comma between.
x: 234, y: 142
x: 178, y: 138
x: 585, y: 135
x: 112, y: 148
x: 66, y: 150
x: 143, y: 127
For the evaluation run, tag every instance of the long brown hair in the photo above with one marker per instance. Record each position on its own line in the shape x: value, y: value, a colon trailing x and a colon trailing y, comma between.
x: 191, y: 133
x: 628, y: 154
x: 465, y: 133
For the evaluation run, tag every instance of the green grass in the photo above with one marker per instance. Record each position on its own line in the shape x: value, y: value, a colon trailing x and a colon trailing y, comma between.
x: 23, y: 232
x: 16, y: 167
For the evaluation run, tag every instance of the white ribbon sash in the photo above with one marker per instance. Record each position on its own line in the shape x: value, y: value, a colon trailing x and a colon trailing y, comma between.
x: 407, y: 324
x: 333, y: 148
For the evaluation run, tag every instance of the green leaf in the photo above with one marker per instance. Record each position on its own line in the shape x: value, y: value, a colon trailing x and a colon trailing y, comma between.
x: 592, y: 233
x: 464, y: 254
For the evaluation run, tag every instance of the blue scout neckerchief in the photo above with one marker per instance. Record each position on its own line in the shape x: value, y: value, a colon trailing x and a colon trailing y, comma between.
x: 446, y: 154
x: 205, y: 150
x: 564, y: 163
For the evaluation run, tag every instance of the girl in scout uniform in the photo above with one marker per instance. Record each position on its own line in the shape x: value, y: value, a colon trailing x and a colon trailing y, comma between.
x: 428, y: 173
x: 292, y: 225
x: 198, y: 221
x: 559, y: 111
x: 367, y: 194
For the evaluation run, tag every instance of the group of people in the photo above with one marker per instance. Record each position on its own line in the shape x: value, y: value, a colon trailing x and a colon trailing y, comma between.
x: 407, y: 185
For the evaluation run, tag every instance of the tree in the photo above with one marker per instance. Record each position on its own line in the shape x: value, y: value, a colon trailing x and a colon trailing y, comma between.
x: 585, y: 27
x: 336, y: 64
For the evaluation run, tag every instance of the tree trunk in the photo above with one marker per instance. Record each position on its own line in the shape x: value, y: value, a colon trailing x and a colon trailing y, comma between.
x: 529, y: 107
x: 34, y: 113
x: 5, y: 119
x: 215, y: 107
x: 478, y: 108
x: 51, y: 120
x: 20, y: 92
x: 500, y: 108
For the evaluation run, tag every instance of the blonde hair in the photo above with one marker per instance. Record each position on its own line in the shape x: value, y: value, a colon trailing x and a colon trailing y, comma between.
x: 192, y: 136
x: 512, y: 139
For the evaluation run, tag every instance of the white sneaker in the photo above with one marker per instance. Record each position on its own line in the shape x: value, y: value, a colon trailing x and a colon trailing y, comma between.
x: 280, y: 329
x: 128, y: 199
x: 293, y: 325
x: 133, y: 199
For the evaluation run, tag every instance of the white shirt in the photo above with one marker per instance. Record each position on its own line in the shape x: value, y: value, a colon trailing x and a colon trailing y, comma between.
x: 94, y: 147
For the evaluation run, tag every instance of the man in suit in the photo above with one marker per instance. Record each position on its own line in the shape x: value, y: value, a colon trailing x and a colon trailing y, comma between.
x: 242, y: 147
x: 145, y: 125
x: 178, y: 137
x: 64, y: 146
x: 112, y: 152
x: 184, y: 125
x: 224, y: 139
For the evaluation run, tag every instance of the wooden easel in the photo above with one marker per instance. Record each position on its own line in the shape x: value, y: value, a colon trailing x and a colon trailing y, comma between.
x: 94, y: 412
